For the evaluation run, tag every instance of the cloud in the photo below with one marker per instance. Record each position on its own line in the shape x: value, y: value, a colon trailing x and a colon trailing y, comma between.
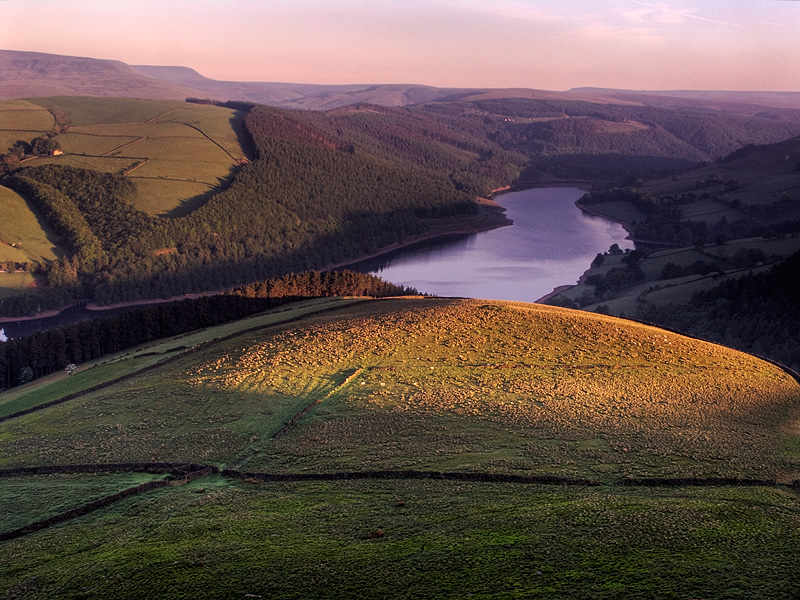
x: 662, y: 13
x: 603, y: 32
x: 507, y: 9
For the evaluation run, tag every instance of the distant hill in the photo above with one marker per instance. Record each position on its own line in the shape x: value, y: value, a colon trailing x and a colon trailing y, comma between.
x: 34, y: 74
x: 298, y: 95
x: 784, y: 104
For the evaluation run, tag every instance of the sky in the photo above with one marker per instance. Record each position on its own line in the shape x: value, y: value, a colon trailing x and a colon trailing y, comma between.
x: 552, y: 45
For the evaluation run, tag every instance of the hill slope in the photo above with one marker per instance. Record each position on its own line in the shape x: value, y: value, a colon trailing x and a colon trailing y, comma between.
x: 34, y: 74
x: 440, y: 385
x: 413, y: 424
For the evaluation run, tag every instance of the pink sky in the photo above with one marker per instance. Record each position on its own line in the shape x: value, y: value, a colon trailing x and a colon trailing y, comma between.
x: 713, y: 44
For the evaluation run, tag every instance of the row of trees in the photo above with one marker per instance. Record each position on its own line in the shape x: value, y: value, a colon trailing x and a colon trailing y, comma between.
x: 45, y: 352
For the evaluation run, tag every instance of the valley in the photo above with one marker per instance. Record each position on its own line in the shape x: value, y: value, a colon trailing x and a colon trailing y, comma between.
x: 313, y: 433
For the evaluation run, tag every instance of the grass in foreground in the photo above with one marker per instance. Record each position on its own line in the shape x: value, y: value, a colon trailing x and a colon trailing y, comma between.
x: 420, y: 539
x: 27, y: 499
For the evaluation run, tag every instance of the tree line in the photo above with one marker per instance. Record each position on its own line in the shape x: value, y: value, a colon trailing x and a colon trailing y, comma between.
x: 45, y: 352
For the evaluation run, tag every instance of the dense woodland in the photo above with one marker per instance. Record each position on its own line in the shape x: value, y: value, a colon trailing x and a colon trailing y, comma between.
x: 45, y: 352
x: 755, y: 313
x: 328, y: 188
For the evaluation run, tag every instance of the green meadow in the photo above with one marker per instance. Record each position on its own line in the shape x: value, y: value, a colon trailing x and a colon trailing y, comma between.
x: 416, y: 539
x: 176, y: 150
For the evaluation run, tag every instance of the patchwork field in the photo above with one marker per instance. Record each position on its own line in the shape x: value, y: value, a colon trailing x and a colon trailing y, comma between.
x: 478, y: 389
x: 177, y: 151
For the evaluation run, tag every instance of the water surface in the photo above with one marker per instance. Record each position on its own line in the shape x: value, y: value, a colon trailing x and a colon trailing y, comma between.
x: 550, y: 244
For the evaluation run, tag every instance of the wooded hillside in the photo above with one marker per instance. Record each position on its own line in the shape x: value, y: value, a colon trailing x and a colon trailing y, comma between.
x: 328, y: 188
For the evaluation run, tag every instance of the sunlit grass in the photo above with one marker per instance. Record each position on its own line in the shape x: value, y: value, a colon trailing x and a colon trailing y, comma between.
x: 441, y: 385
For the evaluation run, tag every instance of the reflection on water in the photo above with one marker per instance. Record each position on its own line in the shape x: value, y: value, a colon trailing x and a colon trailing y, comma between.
x: 550, y: 244
x: 73, y: 314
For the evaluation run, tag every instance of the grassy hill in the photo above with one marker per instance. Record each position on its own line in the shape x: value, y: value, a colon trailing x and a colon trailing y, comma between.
x: 467, y: 392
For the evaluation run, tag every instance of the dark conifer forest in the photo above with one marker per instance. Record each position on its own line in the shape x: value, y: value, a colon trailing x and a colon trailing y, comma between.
x: 329, y: 188
x: 45, y: 352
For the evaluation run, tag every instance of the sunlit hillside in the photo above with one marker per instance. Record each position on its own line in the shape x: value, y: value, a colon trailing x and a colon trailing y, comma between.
x: 420, y: 437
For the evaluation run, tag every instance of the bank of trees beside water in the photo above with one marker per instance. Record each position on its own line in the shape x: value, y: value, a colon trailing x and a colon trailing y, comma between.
x: 49, y: 351
x: 322, y: 190
x: 328, y: 188
x: 758, y: 313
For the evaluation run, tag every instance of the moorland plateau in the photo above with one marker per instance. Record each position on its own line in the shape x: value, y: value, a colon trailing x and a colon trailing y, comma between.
x: 301, y: 438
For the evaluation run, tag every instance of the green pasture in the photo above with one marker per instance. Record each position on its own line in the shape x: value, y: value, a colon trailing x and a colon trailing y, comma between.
x: 156, y: 193
x: 223, y: 125
x: 208, y: 172
x: 184, y: 151
x: 94, y: 144
x: 772, y: 248
x: 23, y: 116
x: 83, y: 110
x: 417, y: 539
x: 13, y: 284
x: 27, y: 499
x: 151, y: 129
x: 11, y: 137
x: 441, y: 385
x: 180, y: 149
x: 24, y: 233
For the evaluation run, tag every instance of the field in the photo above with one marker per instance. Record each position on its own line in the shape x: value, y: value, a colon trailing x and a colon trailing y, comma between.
x: 22, y: 116
x: 399, y: 539
x: 468, y: 388
x: 24, y: 234
x: 29, y: 498
x: 177, y: 151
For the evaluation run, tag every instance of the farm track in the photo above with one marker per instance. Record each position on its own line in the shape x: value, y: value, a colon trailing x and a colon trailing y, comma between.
x: 179, y: 474
x: 175, y: 357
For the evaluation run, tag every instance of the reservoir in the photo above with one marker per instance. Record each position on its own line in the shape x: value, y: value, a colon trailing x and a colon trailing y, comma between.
x: 551, y: 243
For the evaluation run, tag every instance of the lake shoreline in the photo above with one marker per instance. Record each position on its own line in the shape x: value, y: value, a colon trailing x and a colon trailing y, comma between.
x: 490, y: 216
x: 553, y: 241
